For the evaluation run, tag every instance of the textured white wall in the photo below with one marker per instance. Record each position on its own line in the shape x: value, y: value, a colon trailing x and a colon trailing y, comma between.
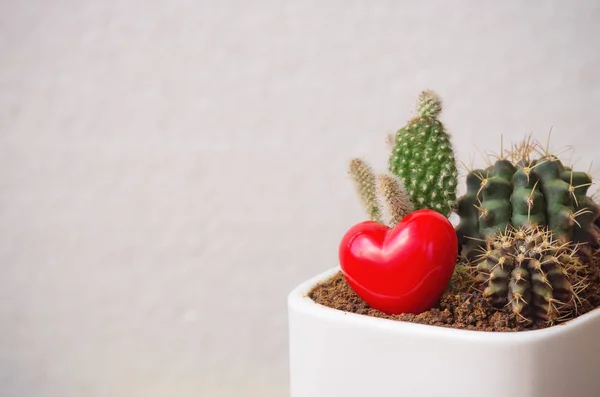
x: 169, y: 170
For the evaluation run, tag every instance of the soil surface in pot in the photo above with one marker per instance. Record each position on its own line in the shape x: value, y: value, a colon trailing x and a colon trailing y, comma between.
x: 462, y: 310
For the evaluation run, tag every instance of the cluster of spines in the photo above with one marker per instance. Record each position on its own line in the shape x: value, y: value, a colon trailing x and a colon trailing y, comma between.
x: 535, y: 275
x: 424, y: 159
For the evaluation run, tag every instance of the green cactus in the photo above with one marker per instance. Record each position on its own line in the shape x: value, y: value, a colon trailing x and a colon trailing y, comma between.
x: 524, y: 192
x: 467, y: 209
x: 421, y: 169
x: 525, y: 269
x: 424, y: 159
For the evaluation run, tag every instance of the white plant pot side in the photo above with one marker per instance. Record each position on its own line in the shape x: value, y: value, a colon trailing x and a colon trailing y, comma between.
x: 335, y: 353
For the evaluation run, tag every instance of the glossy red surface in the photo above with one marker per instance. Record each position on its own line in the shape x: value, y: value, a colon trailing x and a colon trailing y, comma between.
x: 401, y: 270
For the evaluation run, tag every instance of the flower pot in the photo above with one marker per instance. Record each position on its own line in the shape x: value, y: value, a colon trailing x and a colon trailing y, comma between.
x: 335, y: 353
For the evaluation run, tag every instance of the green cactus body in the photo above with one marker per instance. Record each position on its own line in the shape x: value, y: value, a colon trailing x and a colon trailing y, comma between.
x: 496, y: 208
x: 529, y: 272
x: 558, y: 198
x: 586, y: 210
x: 424, y: 159
x: 525, y: 193
x: 527, y: 200
x: 468, y: 227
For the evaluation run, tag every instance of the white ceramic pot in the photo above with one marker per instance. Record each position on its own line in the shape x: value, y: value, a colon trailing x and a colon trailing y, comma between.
x: 335, y: 353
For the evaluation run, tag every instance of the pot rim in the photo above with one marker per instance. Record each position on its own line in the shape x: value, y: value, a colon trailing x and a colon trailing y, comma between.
x: 299, y: 301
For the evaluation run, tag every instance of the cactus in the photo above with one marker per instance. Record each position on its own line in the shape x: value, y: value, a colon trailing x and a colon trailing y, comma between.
x: 524, y: 192
x: 421, y: 169
x: 394, y: 202
x: 424, y: 159
x: 383, y: 196
x: 364, y: 182
x: 536, y: 276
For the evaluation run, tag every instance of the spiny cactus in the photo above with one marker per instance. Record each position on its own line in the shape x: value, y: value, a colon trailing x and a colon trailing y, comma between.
x: 383, y: 196
x: 533, y: 274
x: 421, y: 169
x: 394, y: 203
x: 424, y: 159
x: 522, y: 191
x: 364, y: 182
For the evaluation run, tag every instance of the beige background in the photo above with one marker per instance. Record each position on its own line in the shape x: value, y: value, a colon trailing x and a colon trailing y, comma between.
x: 169, y: 170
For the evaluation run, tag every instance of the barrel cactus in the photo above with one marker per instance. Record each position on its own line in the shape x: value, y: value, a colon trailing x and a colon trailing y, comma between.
x: 519, y: 190
x: 528, y: 271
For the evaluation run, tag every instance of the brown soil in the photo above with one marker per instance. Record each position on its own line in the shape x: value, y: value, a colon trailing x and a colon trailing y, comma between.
x: 462, y: 310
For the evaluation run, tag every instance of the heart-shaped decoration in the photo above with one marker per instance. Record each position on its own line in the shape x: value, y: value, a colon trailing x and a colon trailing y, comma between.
x: 401, y: 270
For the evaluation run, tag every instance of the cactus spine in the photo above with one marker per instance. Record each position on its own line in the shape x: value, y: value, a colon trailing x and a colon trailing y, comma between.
x: 525, y: 269
x: 424, y: 159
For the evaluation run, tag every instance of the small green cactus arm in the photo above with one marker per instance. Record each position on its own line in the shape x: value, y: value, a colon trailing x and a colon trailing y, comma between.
x: 364, y: 182
x: 558, y: 198
x: 394, y: 201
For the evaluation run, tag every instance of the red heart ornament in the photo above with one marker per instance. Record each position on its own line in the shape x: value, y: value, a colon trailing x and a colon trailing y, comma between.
x: 401, y: 270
